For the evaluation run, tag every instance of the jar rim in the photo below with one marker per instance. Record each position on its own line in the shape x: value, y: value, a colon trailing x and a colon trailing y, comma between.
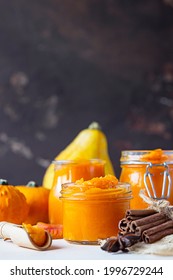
x: 76, y: 161
x: 136, y: 157
x: 143, y: 152
x: 103, y: 194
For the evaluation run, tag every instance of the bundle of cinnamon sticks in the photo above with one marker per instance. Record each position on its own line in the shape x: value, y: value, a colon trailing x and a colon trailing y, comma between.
x: 145, y: 225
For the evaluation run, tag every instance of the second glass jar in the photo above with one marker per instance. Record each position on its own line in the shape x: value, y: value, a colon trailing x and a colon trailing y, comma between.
x: 67, y: 171
x: 150, y: 170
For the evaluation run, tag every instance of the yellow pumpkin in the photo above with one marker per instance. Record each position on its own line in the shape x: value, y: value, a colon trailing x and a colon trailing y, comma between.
x: 13, y: 205
x: 37, y: 199
x: 88, y: 144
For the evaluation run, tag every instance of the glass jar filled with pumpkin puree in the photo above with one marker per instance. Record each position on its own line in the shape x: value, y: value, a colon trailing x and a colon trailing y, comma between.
x: 69, y: 171
x: 92, y: 209
x: 148, y: 170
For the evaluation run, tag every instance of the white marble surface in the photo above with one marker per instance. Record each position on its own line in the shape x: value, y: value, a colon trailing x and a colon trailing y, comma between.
x: 62, y: 250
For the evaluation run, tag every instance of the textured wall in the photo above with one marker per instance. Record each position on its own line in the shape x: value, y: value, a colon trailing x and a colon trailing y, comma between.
x: 66, y: 63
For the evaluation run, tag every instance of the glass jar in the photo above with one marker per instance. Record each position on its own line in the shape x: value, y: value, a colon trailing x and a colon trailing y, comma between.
x: 69, y: 171
x: 91, y: 214
x: 150, y: 170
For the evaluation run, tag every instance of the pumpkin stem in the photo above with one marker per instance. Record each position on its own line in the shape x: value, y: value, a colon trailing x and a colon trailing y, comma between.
x: 32, y: 184
x: 95, y: 125
x: 3, y: 182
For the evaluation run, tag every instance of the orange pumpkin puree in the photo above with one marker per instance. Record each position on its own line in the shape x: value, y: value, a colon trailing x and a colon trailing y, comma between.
x: 70, y: 171
x: 134, y: 167
x: 37, y: 234
x: 92, y: 209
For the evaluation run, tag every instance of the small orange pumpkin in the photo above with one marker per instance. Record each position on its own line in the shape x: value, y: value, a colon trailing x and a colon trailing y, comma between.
x: 37, y: 199
x: 13, y: 205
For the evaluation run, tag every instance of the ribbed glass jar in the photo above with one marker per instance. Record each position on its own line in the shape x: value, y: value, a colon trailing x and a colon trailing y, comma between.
x: 93, y: 213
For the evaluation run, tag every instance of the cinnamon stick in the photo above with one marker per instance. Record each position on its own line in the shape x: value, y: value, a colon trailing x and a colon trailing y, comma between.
x: 146, y: 220
x: 156, y: 229
x: 139, y: 229
x: 123, y: 224
x: 157, y: 236
x: 133, y: 218
x: 140, y: 212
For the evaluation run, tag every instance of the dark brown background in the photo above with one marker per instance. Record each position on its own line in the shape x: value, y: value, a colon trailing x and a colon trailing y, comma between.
x: 65, y: 63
